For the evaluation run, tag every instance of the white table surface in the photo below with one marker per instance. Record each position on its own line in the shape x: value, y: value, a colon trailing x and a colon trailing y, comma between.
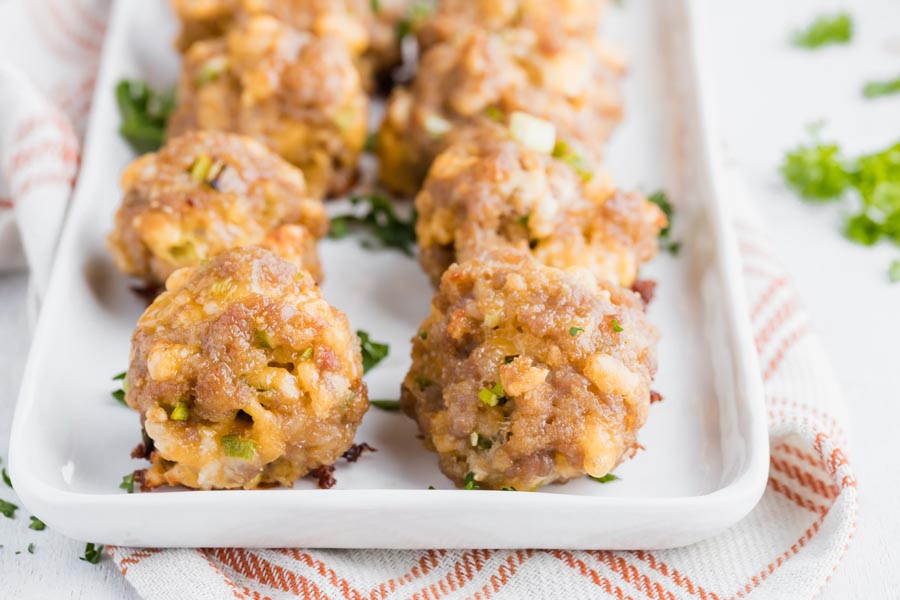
x: 767, y: 91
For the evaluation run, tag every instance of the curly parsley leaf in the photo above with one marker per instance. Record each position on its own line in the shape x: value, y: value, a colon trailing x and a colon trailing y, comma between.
x: 92, y: 553
x: 8, y: 509
x: 825, y: 30
x: 372, y: 352
x: 380, y: 221
x: 144, y: 113
x: 816, y: 172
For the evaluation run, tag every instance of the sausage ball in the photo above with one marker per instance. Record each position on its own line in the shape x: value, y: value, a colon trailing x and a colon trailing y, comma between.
x: 244, y: 376
x: 525, y: 374
x: 205, y: 192
x: 483, y: 76
x: 558, y: 19
x: 491, y: 189
x: 367, y: 29
x: 297, y: 93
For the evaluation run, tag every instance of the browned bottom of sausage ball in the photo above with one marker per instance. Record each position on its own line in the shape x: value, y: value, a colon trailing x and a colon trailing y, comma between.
x: 491, y: 189
x: 243, y: 375
x: 205, y: 192
x: 525, y: 374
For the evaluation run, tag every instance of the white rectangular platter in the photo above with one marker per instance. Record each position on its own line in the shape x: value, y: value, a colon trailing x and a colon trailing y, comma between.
x: 706, y: 454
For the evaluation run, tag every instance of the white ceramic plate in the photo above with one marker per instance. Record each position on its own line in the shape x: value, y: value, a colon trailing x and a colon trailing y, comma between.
x: 706, y: 454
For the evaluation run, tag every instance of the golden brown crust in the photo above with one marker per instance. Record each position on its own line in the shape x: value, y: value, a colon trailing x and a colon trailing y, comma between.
x: 298, y: 94
x: 238, y: 193
x: 474, y: 78
x: 244, y: 345
x: 488, y: 189
x: 575, y: 359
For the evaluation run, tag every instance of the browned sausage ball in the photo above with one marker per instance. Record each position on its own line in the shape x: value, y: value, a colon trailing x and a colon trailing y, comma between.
x: 489, y: 189
x: 525, y: 374
x: 244, y: 375
x: 483, y: 76
x: 557, y: 19
x: 205, y: 192
x: 299, y: 94
x: 368, y: 29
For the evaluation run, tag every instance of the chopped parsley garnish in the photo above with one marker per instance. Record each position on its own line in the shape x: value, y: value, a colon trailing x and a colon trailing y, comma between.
x: 469, y: 481
x: 819, y: 172
x: 573, y: 331
x: 874, y: 89
x: 565, y: 153
x: 380, y: 221
x: 127, y: 483
x: 8, y: 509
x: 492, y: 396
x: 423, y: 335
x: 30, y: 548
x: 388, y: 405
x: 144, y: 114
x: 894, y: 271
x: 825, y: 30
x: 6, y: 479
x: 494, y: 114
x: 617, y: 327
x: 37, y: 524
x: 605, y: 479
x: 660, y: 199
x: 92, y: 553
x: 417, y: 12
x: 119, y: 394
x: 237, y: 447
x: 422, y: 382
x: 372, y: 352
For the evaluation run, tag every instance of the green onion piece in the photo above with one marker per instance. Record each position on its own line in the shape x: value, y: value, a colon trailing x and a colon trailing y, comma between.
x: 264, y: 339
x: 567, y: 154
x: 473, y: 439
x: 492, y: 396
x: 37, y: 524
x: 388, y: 405
x: 508, y: 489
x: 199, y: 169
x: 120, y: 376
x: 237, y: 447
x: 605, y: 479
x: 469, y: 481
x: 211, y: 70
x: 30, y: 546
x: 372, y: 352
x: 128, y: 483
x: 8, y: 509
x: 6, y: 479
x: 92, y: 553
x: 825, y: 30
x: 422, y: 382
x: 181, y: 412
x: 494, y: 114
x: 573, y: 331
x: 616, y: 327
x: 307, y: 353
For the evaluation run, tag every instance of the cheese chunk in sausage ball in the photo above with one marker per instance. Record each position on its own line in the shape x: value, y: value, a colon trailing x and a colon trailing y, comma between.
x: 243, y: 375
x: 299, y: 94
x: 483, y: 77
x: 491, y: 189
x: 553, y: 20
x: 206, y: 192
x: 525, y: 375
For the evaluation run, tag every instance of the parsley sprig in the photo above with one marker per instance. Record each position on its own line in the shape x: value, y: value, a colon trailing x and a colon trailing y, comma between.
x: 870, y: 184
x: 372, y: 352
x: 144, y: 113
x: 380, y: 221
x: 825, y: 30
